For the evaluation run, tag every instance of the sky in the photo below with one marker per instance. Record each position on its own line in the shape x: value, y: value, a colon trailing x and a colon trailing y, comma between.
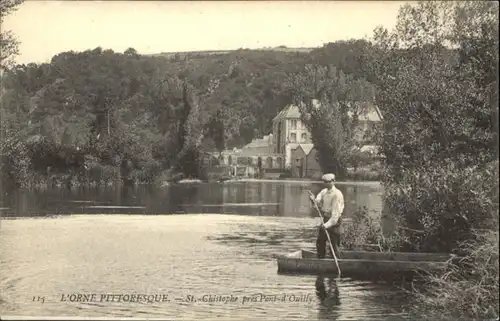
x: 46, y: 28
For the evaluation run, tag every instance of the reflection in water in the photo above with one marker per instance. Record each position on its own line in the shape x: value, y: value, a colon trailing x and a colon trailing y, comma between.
x: 328, y: 294
x: 243, y: 198
x: 183, y: 253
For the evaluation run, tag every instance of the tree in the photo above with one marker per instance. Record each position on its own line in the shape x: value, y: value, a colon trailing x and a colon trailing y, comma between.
x: 437, y: 77
x: 14, y: 160
x: 349, y: 56
x: 8, y: 42
x: 131, y: 52
x: 216, y: 129
x: 328, y: 101
x: 143, y: 104
x: 190, y: 134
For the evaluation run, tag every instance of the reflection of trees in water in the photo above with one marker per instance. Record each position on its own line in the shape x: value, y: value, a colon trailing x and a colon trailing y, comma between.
x: 328, y: 295
x: 129, y: 195
x: 292, y: 199
x: 178, y: 196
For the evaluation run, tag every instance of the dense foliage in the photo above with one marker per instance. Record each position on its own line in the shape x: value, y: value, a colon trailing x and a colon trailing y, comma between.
x: 441, y: 125
x: 98, y: 116
x: 468, y: 293
x: 440, y: 140
x: 331, y: 102
x: 8, y: 42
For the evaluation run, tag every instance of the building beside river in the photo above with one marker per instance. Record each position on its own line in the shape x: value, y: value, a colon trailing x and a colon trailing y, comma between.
x: 289, y: 147
x: 257, y: 157
x: 304, y: 162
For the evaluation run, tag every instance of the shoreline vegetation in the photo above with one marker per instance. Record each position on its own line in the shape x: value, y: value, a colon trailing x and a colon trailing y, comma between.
x: 101, y: 118
x: 440, y: 141
x: 37, y: 181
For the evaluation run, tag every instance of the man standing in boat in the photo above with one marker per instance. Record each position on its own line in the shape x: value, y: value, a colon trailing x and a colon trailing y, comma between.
x: 331, y: 204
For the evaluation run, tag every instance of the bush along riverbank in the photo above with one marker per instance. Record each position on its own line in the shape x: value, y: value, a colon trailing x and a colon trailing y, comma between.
x: 363, y: 174
x: 101, y: 176
x: 468, y: 289
x: 364, y: 233
x: 103, y: 157
x: 90, y: 175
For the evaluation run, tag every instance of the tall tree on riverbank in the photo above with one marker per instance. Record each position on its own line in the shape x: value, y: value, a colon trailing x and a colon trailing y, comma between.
x: 329, y: 101
x: 14, y: 160
x: 437, y: 74
x: 190, y: 134
x: 9, y: 45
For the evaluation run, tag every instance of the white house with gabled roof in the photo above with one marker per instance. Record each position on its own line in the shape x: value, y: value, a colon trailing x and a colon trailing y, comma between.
x: 289, y: 132
x: 290, y: 136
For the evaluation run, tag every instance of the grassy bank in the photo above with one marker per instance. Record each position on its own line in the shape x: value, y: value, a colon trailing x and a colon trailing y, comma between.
x: 96, y: 176
x: 468, y: 289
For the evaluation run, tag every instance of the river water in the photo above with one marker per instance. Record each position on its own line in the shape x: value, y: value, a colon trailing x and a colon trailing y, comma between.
x: 187, y: 246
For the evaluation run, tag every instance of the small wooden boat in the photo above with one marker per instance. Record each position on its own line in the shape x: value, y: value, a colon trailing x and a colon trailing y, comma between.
x: 354, y: 262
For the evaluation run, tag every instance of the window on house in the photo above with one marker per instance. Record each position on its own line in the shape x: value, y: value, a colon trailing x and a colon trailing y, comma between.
x: 293, y: 137
x: 303, y: 137
x: 293, y: 124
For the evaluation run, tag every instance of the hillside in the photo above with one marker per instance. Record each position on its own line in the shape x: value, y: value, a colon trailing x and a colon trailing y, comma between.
x: 183, y: 54
x: 102, y: 108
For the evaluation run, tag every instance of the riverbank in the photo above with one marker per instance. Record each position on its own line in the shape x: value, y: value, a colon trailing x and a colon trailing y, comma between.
x: 108, y: 175
x: 298, y: 181
x: 75, y: 184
